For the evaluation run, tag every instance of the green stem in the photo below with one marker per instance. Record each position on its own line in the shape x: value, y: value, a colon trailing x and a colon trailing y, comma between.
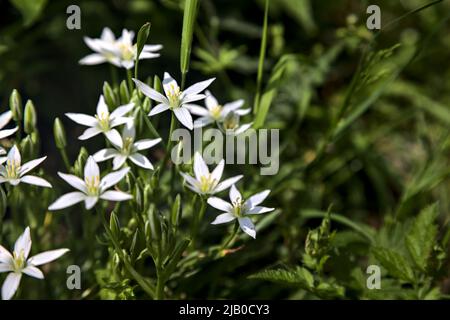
x: 151, y: 127
x: 147, y: 287
x: 230, y: 238
x: 114, y: 76
x: 130, y: 82
x: 65, y: 158
x: 173, y: 123
x: 160, y: 283
x: 197, y: 221
x: 262, y: 57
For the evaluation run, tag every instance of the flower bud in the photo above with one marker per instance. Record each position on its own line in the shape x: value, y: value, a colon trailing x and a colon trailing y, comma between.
x: 30, y: 118
x: 157, y: 84
x: 114, y: 225
x: 59, y: 134
x: 15, y: 104
x: 231, y: 121
x: 26, y: 147
x: 80, y: 162
x: 109, y: 96
x: 124, y: 93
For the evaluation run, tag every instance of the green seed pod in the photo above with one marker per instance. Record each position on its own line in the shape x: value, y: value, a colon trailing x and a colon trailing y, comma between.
x: 15, y: 104
x: 114, y: 225
x: 30, y: 118
x: 109, y: 96
x: 124, y: 93
x: 59, y: 134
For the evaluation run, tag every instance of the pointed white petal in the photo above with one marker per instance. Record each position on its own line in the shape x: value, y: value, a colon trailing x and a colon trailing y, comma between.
x: 152, y: 47
x: 105, y: 154
x: 93, y: 44
x: 169, y: 83
x: 113, y: 178
x: 10, y: 285
x: 122, y: 110
x: 220, y: 204
x: 210, y: 100
x: 202, y: 122
x: 102, y: 108
x: 120, y: 120
x: 115, y: 196
x: 5, y: 255
x: 158, y: 109
x: 223, y: 218
x: 200, y: 167
x: 141, y: 161
x: 6, y: 267
x: 92, y: 59
x: 67, y: 200
x: 118, y: 161
x: 107, y: 35
x: 149, y: 92
x: 34, y: 272
x: 129, y: 131
x: 243, y: 128
x: 259, y: 210
x: 114, y: 136
x: 91, y: 169
x: 218, y: 171
x: 197, y: 110
x: 184, y: 117
x: 242, y: 112
x: 37, y: 181
x: 47, y: 256
x: 8, y: 132
x: 23, y: 243
x: 82, y: 119
x: 232, y: 106
x: 5, y: 118
x: 146, y: 143
x: 26, y: 167
x: 198, y: 87
x: 14, y: 155
x: 90, y: 202
x: 148, y: 55
x: 74, y: 181
x: 247, y: 226
x: 190, y: 181
x: 89, y: 133
x: 227, y: 183
x: 256, y: 199
x: 192, y: 98
x: 234, y: 194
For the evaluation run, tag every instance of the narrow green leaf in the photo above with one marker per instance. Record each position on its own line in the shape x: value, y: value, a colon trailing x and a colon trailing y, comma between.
x: 190, y: 15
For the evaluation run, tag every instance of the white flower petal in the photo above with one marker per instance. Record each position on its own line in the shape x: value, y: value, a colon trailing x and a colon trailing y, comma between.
x: 5, y: 118
x: 247, y: 226
x: 107, y: 35
x: 102, y: 108
x: 242, y: 112
x: 146, y: 143
x: 5, y: 255
x: 210, y: 100
x: 220, y: 204
x: 234, y: 194
x: 223, y: 218
x: 118, y: 161
x: 90, y: 202
x: 197, y: 110
x: 8, y: 132
x: 169, y: 83
x: 257, y: 198
x: 34, y: 272
x: 149, y: 92
x: 227, y: 183
x: 114, y: 136
x: 184, y: 117
x: 243, y: 128
x: 198, y: 87
x: 74, y: 181
x: 14, y: 155
x: 47, y: 256
x: 91, y: 169
x: 148, y: 55
x: 89, y: 133
x: 192, y: 183
x: 129, y: 131
x: 122, y: 110
x: 6, y: 267
x: 192, y: 98
x: 141, y: 161
x: 113, y: 178
x: 218, y: 171
x: 67, y: 200
x: 10, y: 285
x: 202, y: 122
x: 37, y: 181
x: 93, y: 44
x: 158, y: 109
x: 82, y: 119
x: 152, y: 47
x: 200, y: 167
x: 232, y: 106
x: 105, y: 154
x: 92, y: 59
x: 30, y: 165
x: 23, y: 243
x: 117, y: 121
x: 259, y: 210
x: 115, y: 196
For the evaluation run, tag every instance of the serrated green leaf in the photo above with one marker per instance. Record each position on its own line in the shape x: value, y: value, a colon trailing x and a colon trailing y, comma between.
x: 420, y: 238
x: 396, y: 264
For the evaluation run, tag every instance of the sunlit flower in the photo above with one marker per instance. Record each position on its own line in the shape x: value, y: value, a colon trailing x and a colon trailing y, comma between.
x: 206, y: 183
x: 5, y: 118
x: 214, y: 112
x: 231, y: 124
x: 14, y: 172
x: 239, y: 209
x: 18, y: 263
x: 128, y: 149
x: 92, y: 188
x: 103, y: 121
x: 120, y: 52
x: 175, y: 99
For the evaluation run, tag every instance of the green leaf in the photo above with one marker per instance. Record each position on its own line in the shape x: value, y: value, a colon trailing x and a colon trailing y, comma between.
x: 395, y: 263
x: 298, y: 276
x: 420, y: 238
x: 30, y: 9
x: 190, y: 15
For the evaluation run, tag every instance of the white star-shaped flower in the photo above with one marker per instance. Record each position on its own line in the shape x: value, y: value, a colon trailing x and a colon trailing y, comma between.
x: 206, y: 183
x: 239, y: 209
x: 175, y: 99
x: 120, y: 52
x: 18, y: 263
x: 214, y: 112
x: 14, y: 172
x: 103, y: 121
x: 128, y: 149
x: 5, y: 118
x: 92, y: 188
